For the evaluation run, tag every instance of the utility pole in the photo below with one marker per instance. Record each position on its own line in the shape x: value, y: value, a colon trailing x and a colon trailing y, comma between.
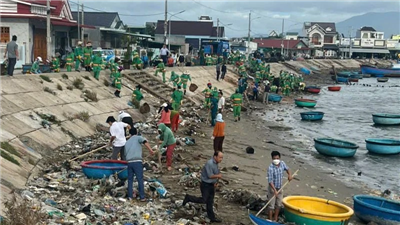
x: 83, y: 22
x: 79, y: 23
x: 217, y: 29
x: 283, y: 28
x: 350, y: 53
x: 48, y: 31
x: 248, y: 35
x: 165, y: 22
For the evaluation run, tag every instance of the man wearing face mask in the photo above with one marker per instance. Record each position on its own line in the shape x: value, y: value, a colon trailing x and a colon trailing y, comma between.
x: 275, y: 176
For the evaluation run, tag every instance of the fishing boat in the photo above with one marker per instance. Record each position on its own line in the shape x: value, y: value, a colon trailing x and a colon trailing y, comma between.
x: 342, y: 80
x: 353, y: 79
x: 334, y: 147
x: 366, y: 75
x: 303, y: 102
x: 274, y: 98
x: 374, y: 71
x: 358, y: 76
x: 383, y: 146
x: 334, y: 88
x: 97, y: 169
x: 258, y: 221
x: 313, y: 89
x: 386, y: 119
x: 382, y: 79
x: 315, y: 211
x: 376, y: 209
x: 312, y: 116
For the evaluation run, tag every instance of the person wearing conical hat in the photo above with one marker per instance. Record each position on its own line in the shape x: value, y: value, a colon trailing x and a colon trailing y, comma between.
x: 87, y: 56
x: 78, y: 52
x: 161, y: 68
x: 70, y: 60
x: 97, y: 64
x: 185, y: 77
x: 137, y: 62
x: 35, y: 66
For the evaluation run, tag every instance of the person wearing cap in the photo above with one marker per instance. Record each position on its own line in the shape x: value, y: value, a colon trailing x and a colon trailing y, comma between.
x: 70, y: 60
x: 97, y: 64
x: 168, y: 141
x: 185, y: 77
x: 78, y: 52
x: 55, y: 64
x: 218, y: 133
x: 117, y: 139
x: 174, y: 78
x: 87, y: 56
x: 207, y: 95
x: 165, y: 115
x: 160, y: 68
x: 177, y: 97
x: 137, y: 96
x: 35, y: 66
x: 125, y: 118
x: 267, y: 89
x: 237, y: 99
x: 134, y: 157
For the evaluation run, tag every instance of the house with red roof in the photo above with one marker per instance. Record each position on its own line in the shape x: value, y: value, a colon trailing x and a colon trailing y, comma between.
x: 291, y: 48
x: 27, y: 20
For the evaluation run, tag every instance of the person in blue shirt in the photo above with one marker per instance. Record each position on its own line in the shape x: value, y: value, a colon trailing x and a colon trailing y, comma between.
x: 255, y: 91
x: 145, y: 60
x: 275, y: 176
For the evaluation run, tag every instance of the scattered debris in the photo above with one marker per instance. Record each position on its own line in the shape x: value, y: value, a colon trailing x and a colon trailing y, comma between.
x: 87, y: 77
x: 47, y: 89
x: 106, y: 82
x: 46, y: 78
x: 83, y: 115
x: 59, y: 87
x: 64, y: 76
x: 90, y: 95
x: 78, y: 83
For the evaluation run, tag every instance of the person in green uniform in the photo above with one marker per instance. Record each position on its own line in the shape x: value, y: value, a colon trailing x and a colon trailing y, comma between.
x: 214, y: 108
x: 87, y: 56
x: 97, y: 64
x: 137, y: 62
x: 114, y: 71
x: 118, y: 83
x: 201, y: 55
x: 78, y: 52
x: 185, y: 77
x: 237, y: 99
x: 35, y: 66
x: 208, y: 60
x: 220, y: 59
x: 55, y: 64
x: 177, y: 97
x: 70, y: 60
x: 161, y: 68
x: 215, y: 92
x: 174, y: 79
x: 207, y: 95
x: 258, y: 77
x: 137, y: 96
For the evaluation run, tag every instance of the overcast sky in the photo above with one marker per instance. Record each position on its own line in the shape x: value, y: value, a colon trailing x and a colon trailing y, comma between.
x: 267, y: 15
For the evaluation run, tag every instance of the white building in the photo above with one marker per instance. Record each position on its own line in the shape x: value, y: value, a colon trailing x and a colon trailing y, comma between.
x: 322, y: 38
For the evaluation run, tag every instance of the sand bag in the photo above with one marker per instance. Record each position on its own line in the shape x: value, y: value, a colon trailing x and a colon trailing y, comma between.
x: 145, y: 108
x: 193, y: 87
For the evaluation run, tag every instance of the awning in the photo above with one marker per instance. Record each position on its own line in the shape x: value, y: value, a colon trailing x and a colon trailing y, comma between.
x: 330, y: 47
x: 139, y: 35
x: 69, y: 24
x: 153, y: 44
x: 118, y: 31
x: 365, y: 50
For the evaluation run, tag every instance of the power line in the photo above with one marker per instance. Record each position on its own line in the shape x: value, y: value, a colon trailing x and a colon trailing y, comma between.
x: 211, y: 8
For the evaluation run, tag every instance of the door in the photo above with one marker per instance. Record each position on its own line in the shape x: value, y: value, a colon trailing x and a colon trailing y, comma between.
x: 39, y: 44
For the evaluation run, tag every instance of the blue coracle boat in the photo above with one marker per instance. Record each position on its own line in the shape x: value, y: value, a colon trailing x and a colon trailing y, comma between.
x: 98, y: 169
x: 312, y: 116
x: 376, y: 209
x: 274, y: 98
x: 258, y: 221
x: 342, y: 80
x: 393, y: 72
x: 386, y: 119
x: 383, y: 146
x: 305, y: 71
x: 334, y: 147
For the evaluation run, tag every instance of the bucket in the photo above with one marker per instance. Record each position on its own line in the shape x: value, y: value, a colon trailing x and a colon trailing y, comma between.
x: 145, y: 108
x: 250, y: 150
x: 193, y: 87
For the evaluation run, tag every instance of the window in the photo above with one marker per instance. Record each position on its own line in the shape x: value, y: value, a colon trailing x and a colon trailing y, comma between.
x: 4, y: 34
x: 328, y: 39
x: 365, y: 35
x: 316, y: 39
x: 372, y: 35
x: 328, y: 29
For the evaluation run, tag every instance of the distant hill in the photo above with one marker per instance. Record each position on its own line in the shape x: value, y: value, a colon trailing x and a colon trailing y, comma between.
x: 388, y: 22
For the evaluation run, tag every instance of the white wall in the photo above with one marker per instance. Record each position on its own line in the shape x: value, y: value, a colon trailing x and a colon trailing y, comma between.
x: 20, y: 27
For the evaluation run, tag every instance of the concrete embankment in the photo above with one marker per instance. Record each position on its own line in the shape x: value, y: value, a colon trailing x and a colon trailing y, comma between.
x: 26, y: 100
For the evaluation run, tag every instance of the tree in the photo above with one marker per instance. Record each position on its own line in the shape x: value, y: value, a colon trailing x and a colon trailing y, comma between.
x: 150, y: 30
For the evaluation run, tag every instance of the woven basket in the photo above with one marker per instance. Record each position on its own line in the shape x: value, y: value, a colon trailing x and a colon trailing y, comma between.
x: 145, y: 108
x: 193, y: 87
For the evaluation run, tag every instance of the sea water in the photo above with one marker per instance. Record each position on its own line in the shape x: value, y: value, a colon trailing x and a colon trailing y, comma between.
x: 348, y: 116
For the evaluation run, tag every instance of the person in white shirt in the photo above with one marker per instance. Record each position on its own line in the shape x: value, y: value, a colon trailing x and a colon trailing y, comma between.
x: 221, y: 102
x: 118, y: 139
x: 164, y: 54
x: 125, y: 118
